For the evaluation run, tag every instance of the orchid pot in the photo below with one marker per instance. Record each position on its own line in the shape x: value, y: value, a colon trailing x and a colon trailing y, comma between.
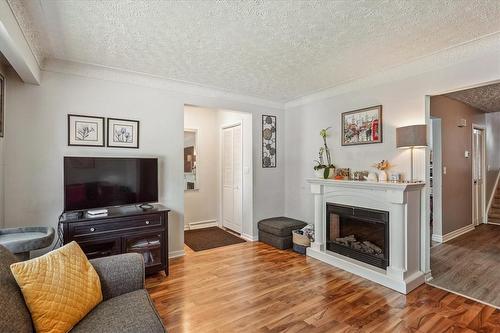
x: 324, y: 172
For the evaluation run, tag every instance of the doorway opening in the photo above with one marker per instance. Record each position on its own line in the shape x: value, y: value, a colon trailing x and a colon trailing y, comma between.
x: 218, y: 177
x: 464, y: 170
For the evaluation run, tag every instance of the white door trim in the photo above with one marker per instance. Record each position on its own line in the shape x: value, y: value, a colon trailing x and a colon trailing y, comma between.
x: 234, y: 228
x: 483, y: 173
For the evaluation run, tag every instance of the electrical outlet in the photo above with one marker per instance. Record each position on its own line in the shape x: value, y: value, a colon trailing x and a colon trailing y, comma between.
x: 444, y: 170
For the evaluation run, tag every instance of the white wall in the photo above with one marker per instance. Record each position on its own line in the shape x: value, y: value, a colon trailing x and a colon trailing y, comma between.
x: 403, y: 98
x: 36, y: 138
x: 202, y: 204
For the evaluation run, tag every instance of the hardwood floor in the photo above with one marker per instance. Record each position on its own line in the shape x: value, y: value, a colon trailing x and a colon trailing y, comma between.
x: 252, y: 287
x: 470, y: 264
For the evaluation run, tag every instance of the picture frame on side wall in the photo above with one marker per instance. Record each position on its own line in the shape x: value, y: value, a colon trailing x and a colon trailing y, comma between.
x: 123, y: 133
x: 363, y: 126
x: 85, y: 131
x: 268, y: 141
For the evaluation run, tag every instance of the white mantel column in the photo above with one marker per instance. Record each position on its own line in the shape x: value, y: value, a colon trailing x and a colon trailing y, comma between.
x: 319, y: 208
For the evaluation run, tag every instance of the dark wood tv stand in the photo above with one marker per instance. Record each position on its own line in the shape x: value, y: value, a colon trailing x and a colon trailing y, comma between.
x: 124, y: 229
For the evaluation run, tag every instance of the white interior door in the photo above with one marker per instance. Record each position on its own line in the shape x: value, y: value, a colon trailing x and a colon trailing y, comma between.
x: 478, y: 202
x: 232, y: 178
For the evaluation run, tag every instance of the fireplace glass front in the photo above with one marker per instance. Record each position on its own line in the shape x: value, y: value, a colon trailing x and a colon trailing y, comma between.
x: 358, y: 233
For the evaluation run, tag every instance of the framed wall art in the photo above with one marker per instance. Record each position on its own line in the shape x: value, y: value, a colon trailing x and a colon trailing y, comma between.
x: 85, y: 131
x: 123, y: 133
x: 268, y: 141
x: 362, y: 126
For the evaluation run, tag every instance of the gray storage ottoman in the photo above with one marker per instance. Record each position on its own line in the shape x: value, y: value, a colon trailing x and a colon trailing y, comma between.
x: 277, y: 231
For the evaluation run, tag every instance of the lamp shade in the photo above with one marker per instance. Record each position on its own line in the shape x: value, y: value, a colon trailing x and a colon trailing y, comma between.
x: 411, y: 136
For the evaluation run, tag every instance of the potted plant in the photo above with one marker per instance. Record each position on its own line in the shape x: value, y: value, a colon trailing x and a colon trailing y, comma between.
x: 382, y: 166
x: 322, y: 169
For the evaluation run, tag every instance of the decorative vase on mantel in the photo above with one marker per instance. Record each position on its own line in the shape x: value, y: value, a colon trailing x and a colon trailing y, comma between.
x: 325, y: 173
x: 382, y: 166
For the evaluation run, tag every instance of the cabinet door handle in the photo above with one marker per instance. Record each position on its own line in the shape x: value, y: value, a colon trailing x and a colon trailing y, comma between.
x: 147, y: 222
x: 92, y: 229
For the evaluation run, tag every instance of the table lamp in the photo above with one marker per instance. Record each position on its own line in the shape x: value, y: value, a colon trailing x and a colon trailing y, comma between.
x: 412, y: 137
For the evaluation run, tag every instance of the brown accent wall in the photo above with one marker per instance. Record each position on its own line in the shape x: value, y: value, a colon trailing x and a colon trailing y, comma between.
x: 457, y: 189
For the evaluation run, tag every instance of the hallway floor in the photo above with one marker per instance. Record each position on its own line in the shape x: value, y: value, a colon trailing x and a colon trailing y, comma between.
x: 470, y: 264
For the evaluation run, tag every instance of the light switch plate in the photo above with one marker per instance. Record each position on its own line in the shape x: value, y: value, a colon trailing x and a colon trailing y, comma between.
x: 467, y: 154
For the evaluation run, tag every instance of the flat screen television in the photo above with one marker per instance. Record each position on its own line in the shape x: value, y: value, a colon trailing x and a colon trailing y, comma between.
x: 97, y: 182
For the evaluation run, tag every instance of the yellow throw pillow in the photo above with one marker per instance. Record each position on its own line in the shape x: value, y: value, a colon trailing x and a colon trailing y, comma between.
x: 59, y: 288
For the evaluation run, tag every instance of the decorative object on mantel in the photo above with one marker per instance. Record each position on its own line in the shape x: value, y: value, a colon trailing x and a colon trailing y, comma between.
x: 414, y: 136
x: 268, y: 141
x: 395, y: 177
x: 123, y: 133
x: 343, y: 174
x: 85, y: 131
x: 362, y: 126
x: 382, y: 166
x: 2, y: 103
x: 323, y: 170
x: 360, y: 175
x: 372, y: 177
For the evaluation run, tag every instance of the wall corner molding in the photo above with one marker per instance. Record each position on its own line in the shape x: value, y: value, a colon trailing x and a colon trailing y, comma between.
x: 105, y: 73
x: 432, y: 62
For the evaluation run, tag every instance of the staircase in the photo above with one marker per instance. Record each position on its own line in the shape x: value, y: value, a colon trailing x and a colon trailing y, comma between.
x: 494, y: 212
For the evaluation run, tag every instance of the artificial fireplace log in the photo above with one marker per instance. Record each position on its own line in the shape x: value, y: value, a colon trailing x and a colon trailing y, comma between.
x: 365, y: 246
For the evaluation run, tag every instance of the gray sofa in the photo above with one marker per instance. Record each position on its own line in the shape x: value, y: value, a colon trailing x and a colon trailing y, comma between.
x: 126, y: 306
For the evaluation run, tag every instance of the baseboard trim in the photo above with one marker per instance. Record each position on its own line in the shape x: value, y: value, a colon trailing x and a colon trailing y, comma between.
x: 176, y: 254
x: 437, y: 238
x: 201, y: 224
x: 494, y: 223
x: 249, y: 238
x: 453, y: 234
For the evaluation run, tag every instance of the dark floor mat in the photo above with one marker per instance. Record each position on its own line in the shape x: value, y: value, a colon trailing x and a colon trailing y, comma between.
x: 209, y: 238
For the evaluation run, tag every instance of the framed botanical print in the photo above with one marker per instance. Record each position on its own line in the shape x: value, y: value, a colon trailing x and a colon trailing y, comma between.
x: 362, y: 126
x: 85, y: 131
x: 123, y: 133
x: 268, y: 141
x: 2, y: 104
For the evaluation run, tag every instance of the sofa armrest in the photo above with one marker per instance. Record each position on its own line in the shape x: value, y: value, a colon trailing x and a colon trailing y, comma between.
x: 120, y: 274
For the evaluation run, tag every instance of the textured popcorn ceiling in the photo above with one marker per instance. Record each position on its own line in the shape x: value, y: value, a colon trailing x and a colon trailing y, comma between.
x: 278, y: 50
x: 485, y: 98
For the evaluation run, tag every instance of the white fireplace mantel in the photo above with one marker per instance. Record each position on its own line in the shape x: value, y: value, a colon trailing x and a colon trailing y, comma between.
x: 402, y: 201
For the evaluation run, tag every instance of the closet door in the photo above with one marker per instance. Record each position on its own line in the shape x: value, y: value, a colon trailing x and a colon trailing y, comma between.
x: 232, y: 177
